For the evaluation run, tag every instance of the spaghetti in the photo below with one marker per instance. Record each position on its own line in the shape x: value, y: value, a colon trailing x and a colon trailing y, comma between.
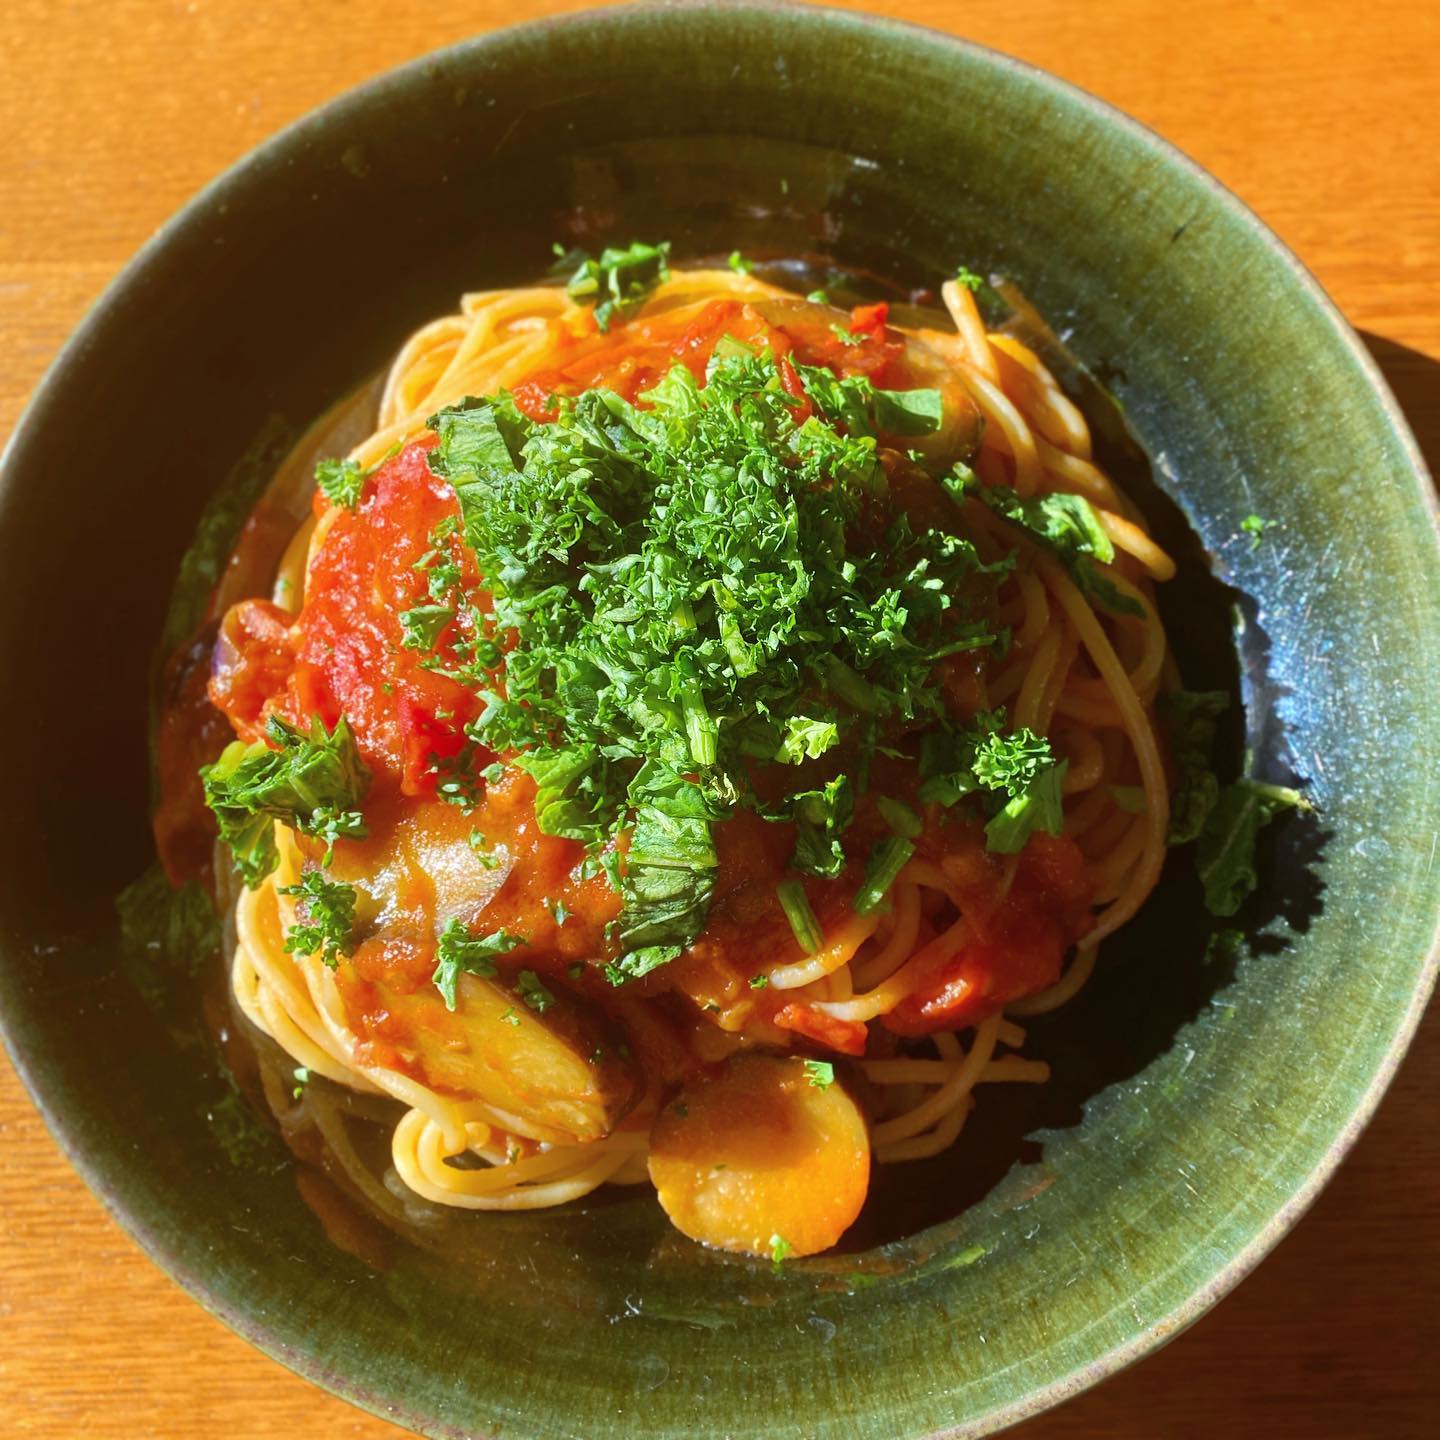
x: 922, y: 990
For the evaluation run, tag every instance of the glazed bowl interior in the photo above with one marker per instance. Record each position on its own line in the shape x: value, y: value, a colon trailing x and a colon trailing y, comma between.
x: 1196, y: 1106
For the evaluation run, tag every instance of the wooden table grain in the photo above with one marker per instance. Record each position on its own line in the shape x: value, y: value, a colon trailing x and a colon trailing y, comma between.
x: 1321, y: 114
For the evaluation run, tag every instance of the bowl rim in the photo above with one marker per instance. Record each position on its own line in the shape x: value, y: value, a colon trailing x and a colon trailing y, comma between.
x: 198, y: 210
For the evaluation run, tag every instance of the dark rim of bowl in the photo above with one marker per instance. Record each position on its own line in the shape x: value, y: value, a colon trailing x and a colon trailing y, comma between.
x: 198, y: 210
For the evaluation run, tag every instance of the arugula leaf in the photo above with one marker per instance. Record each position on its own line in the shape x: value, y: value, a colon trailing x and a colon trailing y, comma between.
x: 1226, y: 855
x: 1067, y: 526
x: 341, y: 482
x: 327, y: 917
x: 1191, y: 718
x: 313, y: 783
x: 619, y: 280
x: 459, y: 952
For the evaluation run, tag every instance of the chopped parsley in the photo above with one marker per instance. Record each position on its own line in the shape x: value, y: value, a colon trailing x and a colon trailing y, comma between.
x: 510, y: 1017
x: 1255, y: 528
x: 619, y: 280
x: 487, y: 857
x: 459, y: 952
x: 819, y: 297
x: 313, y: 783
x: 846, y: 337
x: 680, y: 597
x: 739, y: 264
x: 780, y: 1251
x: 820, y: 1073
x: 533, y: 993
x: 1064, y: 524
x: 301, y: 1075
x: 968, y: 278
x: 341, y: 482
x: 326, y: 911
x: 1015, y: 776
x: 759, y: 982
x: 560, y: 912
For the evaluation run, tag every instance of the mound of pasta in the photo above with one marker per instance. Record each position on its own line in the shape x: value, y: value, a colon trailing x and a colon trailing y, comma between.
x: 686, y: 738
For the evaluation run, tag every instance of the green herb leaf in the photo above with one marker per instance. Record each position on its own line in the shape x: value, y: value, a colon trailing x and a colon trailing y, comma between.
x: 968, y: 278
x: 313, y: 783
x: 780, y: 1250
x: 1191, y: 718
x: 739, y: 264
x: 900, y: 818
x: 459, y: 952
x: 886, y: 861
x: 341, y: 482
x: 619, y: 280
x: 1036, y: 808
x: 796, y: 905
x: 1067, y: 526
x: 1226, y: 854
x: 821, y: 817
x: 533, y: 992
x: 820, y: 1073
x: 326, y: 911
x: 1255, y: 528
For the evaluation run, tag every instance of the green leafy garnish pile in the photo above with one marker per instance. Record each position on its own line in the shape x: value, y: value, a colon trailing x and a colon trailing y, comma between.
x: 705, y: 584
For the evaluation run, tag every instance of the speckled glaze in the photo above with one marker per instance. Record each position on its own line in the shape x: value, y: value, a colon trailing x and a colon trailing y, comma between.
x: 1196, y: 1108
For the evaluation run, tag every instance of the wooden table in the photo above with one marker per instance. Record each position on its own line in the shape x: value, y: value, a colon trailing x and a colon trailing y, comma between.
x: 1319, y: 113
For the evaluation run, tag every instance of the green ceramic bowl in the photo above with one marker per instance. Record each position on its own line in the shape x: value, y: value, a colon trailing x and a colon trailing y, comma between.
x: 1196, y: 1109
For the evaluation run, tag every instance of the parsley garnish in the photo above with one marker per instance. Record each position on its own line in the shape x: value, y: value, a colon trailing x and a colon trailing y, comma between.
x: 458, y: 951
x: 301, y: 1075
x: 313, y: 783
x: 759, y: 982
x: 819, y: 297
x: 1016, y: 776
x: 820, y: 1073
x: 422, y: 625
x: 510, y: 1017
x: 739, y: 264
x: 965, y: 276
x: 1255, y: 528
x: 780, y: 1250
x: 680, y: 597
x: 327, y: 916
x: 560, y: 912
x: 341, y: 482
x: 1064, y: 524
x: 619, y: 280
x: 846, y: 337
x: 533, y: 993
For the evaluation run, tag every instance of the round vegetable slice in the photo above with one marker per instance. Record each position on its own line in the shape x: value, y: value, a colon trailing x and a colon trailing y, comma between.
x: 762, y: 1156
